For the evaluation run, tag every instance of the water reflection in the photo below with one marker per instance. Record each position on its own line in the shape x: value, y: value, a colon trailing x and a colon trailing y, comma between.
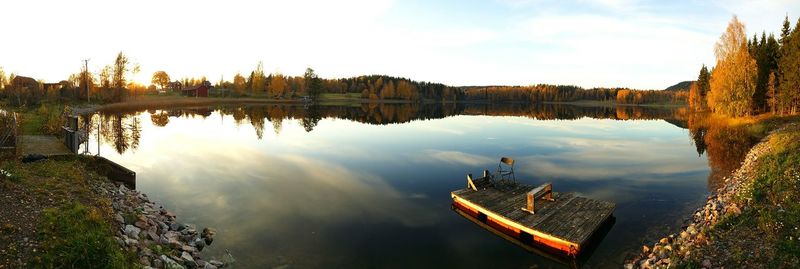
x: 348, y: 186
x: 123, y: 131
x: 726, y: 145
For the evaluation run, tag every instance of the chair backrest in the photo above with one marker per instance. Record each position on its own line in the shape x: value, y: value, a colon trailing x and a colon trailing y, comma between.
x: 507, y: 161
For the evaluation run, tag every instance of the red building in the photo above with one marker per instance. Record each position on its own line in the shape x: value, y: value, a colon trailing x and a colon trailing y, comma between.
x: 197, y: 91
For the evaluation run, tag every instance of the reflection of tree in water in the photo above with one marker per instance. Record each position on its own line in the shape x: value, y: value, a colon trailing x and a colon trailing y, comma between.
x: 311, y: 118
x: 121, y: 130
x: 725, y: 145
x: 697, y: 131
x: 276, y: 116
x: 256, y: 117
x: 159, y: 119
x: 238, y: 115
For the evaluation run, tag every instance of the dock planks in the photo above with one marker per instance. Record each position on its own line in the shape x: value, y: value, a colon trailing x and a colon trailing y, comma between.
x: 566, y: 223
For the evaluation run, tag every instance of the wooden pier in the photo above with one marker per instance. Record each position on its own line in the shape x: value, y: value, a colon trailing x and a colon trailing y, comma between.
x: 563, y: 222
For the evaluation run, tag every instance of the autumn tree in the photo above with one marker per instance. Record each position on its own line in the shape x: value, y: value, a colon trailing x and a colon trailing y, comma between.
x: 105, y: 77
x: 733, y: 80
x: 388, y: 91
x: 257, y: 80
x: 121, y: 68
x: 161, y: 79
x: 277, y: 85
x: 239, y: 83
x: 3, y: 79
x: 119, y: 72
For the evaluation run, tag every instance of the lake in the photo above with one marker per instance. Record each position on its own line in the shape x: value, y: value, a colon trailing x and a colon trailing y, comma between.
x: 368, y: 186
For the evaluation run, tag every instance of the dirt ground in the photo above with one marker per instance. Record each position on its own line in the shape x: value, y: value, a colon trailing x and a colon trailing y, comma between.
x: 20, y: 211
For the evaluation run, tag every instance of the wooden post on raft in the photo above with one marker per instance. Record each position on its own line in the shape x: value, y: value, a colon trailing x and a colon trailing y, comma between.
x: 545, y: 192
x: 470, y: 183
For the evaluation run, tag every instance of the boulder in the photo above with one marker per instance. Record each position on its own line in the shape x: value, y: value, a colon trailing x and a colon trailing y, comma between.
x: 132, y: 231
x: 170, y: 263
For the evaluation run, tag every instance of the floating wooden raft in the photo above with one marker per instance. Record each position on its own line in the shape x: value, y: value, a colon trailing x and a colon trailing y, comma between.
x: 561, y: 221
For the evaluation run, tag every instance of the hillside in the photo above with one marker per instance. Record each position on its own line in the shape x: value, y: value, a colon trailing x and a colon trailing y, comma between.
x: 681, y: 86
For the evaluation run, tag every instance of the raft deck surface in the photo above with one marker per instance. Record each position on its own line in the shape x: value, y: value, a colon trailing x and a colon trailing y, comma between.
x: 568, y: 218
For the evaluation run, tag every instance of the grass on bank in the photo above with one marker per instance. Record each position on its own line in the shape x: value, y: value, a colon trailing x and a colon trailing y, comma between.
x: 45, y: 119
x: 767, y: 233
x: 73, y: 229
x: 77, y: 236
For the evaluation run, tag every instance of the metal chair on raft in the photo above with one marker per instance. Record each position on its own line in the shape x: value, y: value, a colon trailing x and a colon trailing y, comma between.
x: 504, y: 178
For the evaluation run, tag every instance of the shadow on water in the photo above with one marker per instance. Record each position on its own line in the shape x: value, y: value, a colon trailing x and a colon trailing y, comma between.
x: 543, y: 251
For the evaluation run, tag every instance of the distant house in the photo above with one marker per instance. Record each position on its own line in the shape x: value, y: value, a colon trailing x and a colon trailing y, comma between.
x: 24, y: 82
x: 176, y: 85
x: 56, y: 86
x: 197, y: 91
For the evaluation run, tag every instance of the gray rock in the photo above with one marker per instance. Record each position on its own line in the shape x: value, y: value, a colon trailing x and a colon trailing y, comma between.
x: 118, y: 217
x: 188, y: 259
x: 706, y: 263
x: 208, y: 235
x: 157, y: 263
x: 164, y: 227
x: 144, y: 261
x: 199, y: 244
x: 132, y: 231
x: 131, y: 242
x: 170, y: 263
x: 209, y: 266
x: 177, y: 226
x: 187, y: 248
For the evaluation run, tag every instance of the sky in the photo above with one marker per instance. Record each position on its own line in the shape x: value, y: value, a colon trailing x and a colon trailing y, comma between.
x: 589, y: 43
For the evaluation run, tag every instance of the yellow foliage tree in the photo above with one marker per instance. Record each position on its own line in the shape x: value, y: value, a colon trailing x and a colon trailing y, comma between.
x: 733, y: 80
x: 277, y: 86
x: 239, y: 83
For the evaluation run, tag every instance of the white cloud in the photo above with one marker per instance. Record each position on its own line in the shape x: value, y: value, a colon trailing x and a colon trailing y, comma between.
x: 455, y: 157
x: 585, y: 42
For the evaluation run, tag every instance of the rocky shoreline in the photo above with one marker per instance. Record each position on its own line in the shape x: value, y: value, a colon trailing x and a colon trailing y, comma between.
x: 672, y: 250
x: 154, y: 234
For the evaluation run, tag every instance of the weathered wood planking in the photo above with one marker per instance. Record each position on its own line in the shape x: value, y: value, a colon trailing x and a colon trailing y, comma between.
x: 566, y: 223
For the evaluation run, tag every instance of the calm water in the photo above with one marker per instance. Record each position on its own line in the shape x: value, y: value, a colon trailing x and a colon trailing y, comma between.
x: 368, y: 186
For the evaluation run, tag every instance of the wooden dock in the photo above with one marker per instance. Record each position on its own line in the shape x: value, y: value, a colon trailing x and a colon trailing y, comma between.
x: 563, y: 222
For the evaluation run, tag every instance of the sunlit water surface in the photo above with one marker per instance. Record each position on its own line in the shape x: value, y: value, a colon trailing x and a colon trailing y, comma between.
x: 355, y: 195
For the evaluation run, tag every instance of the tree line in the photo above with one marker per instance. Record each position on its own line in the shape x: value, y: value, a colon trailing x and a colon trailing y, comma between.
x: 110, y: 84
x: 751, y: 76
x: 566, y: 93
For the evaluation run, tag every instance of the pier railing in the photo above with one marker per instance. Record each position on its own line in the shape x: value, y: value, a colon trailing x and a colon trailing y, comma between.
x: 9, y: 133
x: 70, y: 133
